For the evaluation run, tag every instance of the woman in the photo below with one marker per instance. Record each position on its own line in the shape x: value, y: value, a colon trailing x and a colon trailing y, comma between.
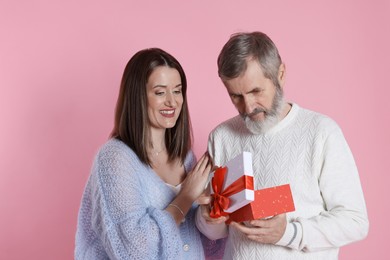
x: 138, y: 202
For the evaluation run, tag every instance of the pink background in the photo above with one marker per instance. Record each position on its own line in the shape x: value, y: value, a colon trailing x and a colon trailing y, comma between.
x: 60, y: 68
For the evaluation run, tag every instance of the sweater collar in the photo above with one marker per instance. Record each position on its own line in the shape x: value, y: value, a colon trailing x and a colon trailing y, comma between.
x: 282, y: 123
x: 286, y: 120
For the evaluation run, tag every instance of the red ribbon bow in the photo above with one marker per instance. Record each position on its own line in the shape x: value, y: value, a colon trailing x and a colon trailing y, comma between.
x: 221, y: 199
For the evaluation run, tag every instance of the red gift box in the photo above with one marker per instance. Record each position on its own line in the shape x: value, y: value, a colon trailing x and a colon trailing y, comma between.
x: 268, y: 202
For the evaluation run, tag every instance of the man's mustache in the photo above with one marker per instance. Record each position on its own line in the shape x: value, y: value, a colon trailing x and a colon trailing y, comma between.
x: 255, y: 111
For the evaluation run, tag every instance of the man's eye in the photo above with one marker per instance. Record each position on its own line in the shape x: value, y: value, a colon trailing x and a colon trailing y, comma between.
x: 257, y: 91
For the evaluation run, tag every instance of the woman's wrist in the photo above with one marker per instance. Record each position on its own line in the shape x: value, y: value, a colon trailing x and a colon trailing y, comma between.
x: 179, y: 210
x: 179, y: 207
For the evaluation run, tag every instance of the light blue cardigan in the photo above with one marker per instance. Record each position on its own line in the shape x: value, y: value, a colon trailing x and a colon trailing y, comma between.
x: 122, y: 212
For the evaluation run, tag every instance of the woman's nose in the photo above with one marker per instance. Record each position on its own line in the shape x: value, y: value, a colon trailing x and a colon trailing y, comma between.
x: 170, y: 99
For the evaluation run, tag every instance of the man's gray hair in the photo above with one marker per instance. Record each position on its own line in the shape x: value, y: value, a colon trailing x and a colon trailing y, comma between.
x: 241, y: 47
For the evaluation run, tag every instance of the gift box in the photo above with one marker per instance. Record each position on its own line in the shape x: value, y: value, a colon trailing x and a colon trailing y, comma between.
x: 268, y: 202
x: 232, y: 185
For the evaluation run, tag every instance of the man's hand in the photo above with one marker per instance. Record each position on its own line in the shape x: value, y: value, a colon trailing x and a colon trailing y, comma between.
x: 266, y: 231
x: 204, y: 203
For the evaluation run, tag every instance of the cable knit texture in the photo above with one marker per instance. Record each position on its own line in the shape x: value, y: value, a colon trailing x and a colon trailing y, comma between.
x: 308, y: 151
x: 122, y: 212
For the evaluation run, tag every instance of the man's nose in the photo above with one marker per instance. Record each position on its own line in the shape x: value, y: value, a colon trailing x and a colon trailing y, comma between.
x: 249, y: 105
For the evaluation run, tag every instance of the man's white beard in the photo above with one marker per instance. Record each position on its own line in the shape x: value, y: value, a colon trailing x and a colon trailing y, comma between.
x: 271, y: 117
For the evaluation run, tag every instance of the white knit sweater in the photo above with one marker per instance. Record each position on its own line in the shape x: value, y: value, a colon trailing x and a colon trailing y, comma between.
x: 308, y: 151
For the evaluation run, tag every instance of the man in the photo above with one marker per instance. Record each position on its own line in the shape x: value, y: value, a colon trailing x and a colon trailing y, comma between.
x: 289, y: 144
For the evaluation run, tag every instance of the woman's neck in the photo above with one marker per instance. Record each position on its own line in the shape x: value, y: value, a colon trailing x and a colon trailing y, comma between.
x: 157, y: 140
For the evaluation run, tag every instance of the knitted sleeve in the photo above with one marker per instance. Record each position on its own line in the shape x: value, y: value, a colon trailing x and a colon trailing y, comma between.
x: 127, y: 227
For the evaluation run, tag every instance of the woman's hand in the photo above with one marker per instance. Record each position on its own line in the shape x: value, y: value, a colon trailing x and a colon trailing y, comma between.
x: 196, y: 180
x: 192, y: 187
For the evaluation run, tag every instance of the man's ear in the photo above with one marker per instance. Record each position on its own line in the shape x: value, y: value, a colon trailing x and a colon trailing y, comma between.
x: 282, y: 74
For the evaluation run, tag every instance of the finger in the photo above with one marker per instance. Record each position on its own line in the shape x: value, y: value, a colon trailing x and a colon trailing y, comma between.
x: 247, y: 230
x: 203, y: 163
x: 280, y: 216
x: 258, y: 223
x: 211, y: 161
x: 203, y: 199
x: 207, y: 188
x: 199, y: 163
x: 268, y: 222
x: 206, y: 216
x: 215, y: 221
x: 207, y: 170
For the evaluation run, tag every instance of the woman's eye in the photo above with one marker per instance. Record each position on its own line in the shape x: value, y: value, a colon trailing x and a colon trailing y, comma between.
x: 177, y: 92
x: 159, y: 93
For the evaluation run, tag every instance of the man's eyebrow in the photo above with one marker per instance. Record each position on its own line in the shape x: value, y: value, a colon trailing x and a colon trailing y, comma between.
x: 256, y: 89
x: 232, y: 93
